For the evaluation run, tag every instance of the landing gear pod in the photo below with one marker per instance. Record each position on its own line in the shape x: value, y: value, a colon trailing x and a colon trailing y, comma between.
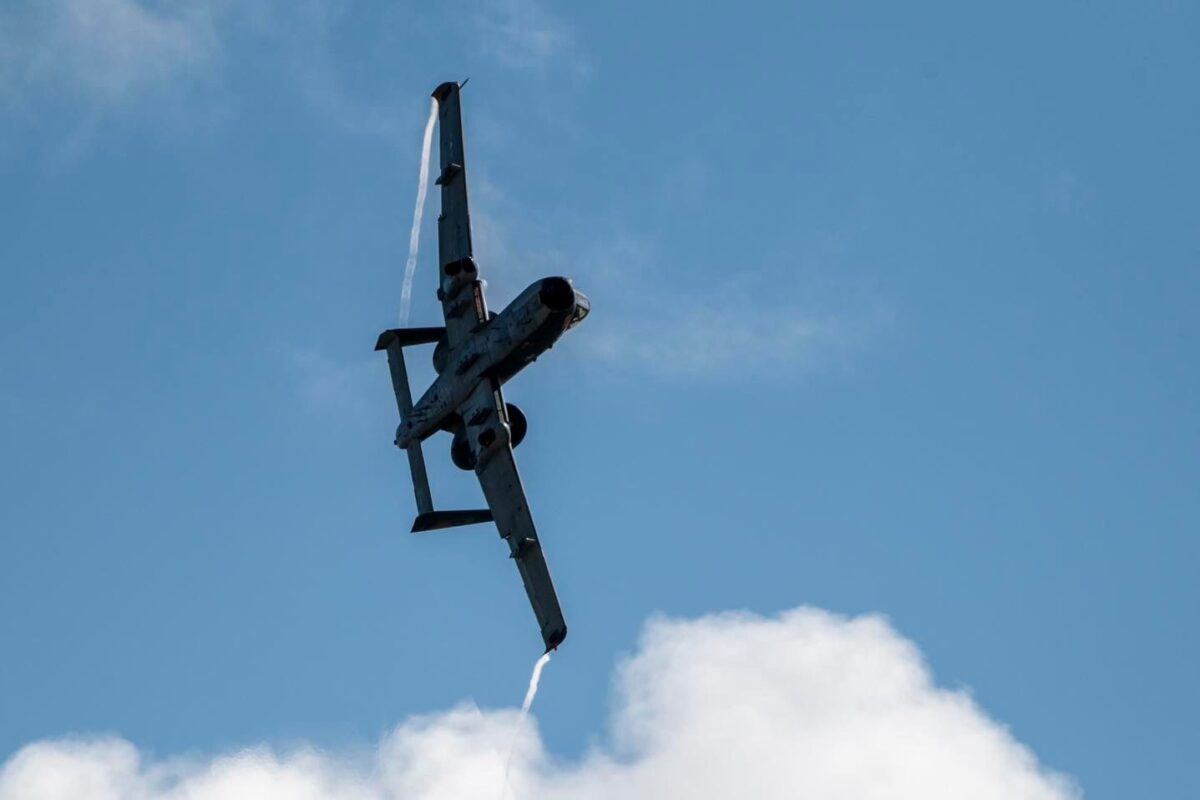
x: 460, y: 451
x: 517, y: 423
x: 460, y: 448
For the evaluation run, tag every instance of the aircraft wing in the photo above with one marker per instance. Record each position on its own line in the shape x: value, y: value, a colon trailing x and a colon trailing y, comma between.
x: 506, y: 498
x: 465, y: 309
x: 460, y: 291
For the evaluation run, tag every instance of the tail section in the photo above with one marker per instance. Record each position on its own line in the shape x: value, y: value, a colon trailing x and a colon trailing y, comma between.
x: 406, y: 337
x: 394, y: 341
x: 436, y: 520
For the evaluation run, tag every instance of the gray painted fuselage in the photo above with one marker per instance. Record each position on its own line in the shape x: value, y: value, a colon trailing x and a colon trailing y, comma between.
x: 496, y: 350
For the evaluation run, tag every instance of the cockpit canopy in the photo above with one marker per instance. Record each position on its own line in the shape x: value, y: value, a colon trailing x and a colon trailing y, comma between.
x: 583, y: 307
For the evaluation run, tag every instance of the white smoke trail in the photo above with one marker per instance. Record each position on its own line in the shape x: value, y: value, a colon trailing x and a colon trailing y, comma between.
x: 530, y: 693
x: 534, y: 679
x: 414, y: 238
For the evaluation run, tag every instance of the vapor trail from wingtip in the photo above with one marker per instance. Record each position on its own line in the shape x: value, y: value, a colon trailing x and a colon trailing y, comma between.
x: 534, y: 679
x: 530, y: 693
x: 415, y: 236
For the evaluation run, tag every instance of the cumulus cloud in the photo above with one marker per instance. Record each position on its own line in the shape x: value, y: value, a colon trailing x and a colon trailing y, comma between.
x: 805, y: 704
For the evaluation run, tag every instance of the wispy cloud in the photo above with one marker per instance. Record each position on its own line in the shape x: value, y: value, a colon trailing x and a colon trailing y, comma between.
x: 697, y: 337
x: 643, y: 324
x: 523, y: 34
x: 652, y: 315
x: 805, y: 704
x: 339, y: 390
x: 105, y: 59
x: 305, y: 34
x: 1060, y: 193
x: 72, y: 68
x: 106, y: 52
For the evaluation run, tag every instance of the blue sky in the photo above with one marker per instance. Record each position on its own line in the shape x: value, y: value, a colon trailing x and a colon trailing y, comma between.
x: 894, y: 312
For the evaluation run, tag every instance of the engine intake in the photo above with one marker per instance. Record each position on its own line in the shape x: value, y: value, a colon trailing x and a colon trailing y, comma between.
x: 557, y: 294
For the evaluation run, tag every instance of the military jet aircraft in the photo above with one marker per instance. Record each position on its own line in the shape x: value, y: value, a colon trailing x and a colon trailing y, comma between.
x: 475, y: 353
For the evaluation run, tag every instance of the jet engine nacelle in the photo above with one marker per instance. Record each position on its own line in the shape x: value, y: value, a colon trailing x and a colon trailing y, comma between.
x: 441, y: 355
x: 460, y: 448
x: 517, y: 423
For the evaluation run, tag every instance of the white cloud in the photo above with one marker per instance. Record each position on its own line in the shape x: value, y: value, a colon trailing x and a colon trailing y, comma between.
x: 806, y: 704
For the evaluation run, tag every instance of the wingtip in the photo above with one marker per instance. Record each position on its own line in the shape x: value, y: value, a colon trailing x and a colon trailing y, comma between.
x: 555, y: 639
x: 385, y: 339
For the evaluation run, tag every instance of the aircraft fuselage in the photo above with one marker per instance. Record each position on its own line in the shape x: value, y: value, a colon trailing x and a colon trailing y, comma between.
x: 498, y: 349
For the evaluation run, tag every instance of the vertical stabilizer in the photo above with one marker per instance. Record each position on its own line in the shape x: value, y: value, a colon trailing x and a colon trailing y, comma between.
x: 404, y: 404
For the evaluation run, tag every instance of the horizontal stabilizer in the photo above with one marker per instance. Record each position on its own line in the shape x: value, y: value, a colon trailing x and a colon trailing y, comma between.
x: 409, y: 336
x: 436, y: 520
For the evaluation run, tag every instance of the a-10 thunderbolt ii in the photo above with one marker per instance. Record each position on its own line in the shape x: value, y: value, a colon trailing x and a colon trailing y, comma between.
x: 476, y: 353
